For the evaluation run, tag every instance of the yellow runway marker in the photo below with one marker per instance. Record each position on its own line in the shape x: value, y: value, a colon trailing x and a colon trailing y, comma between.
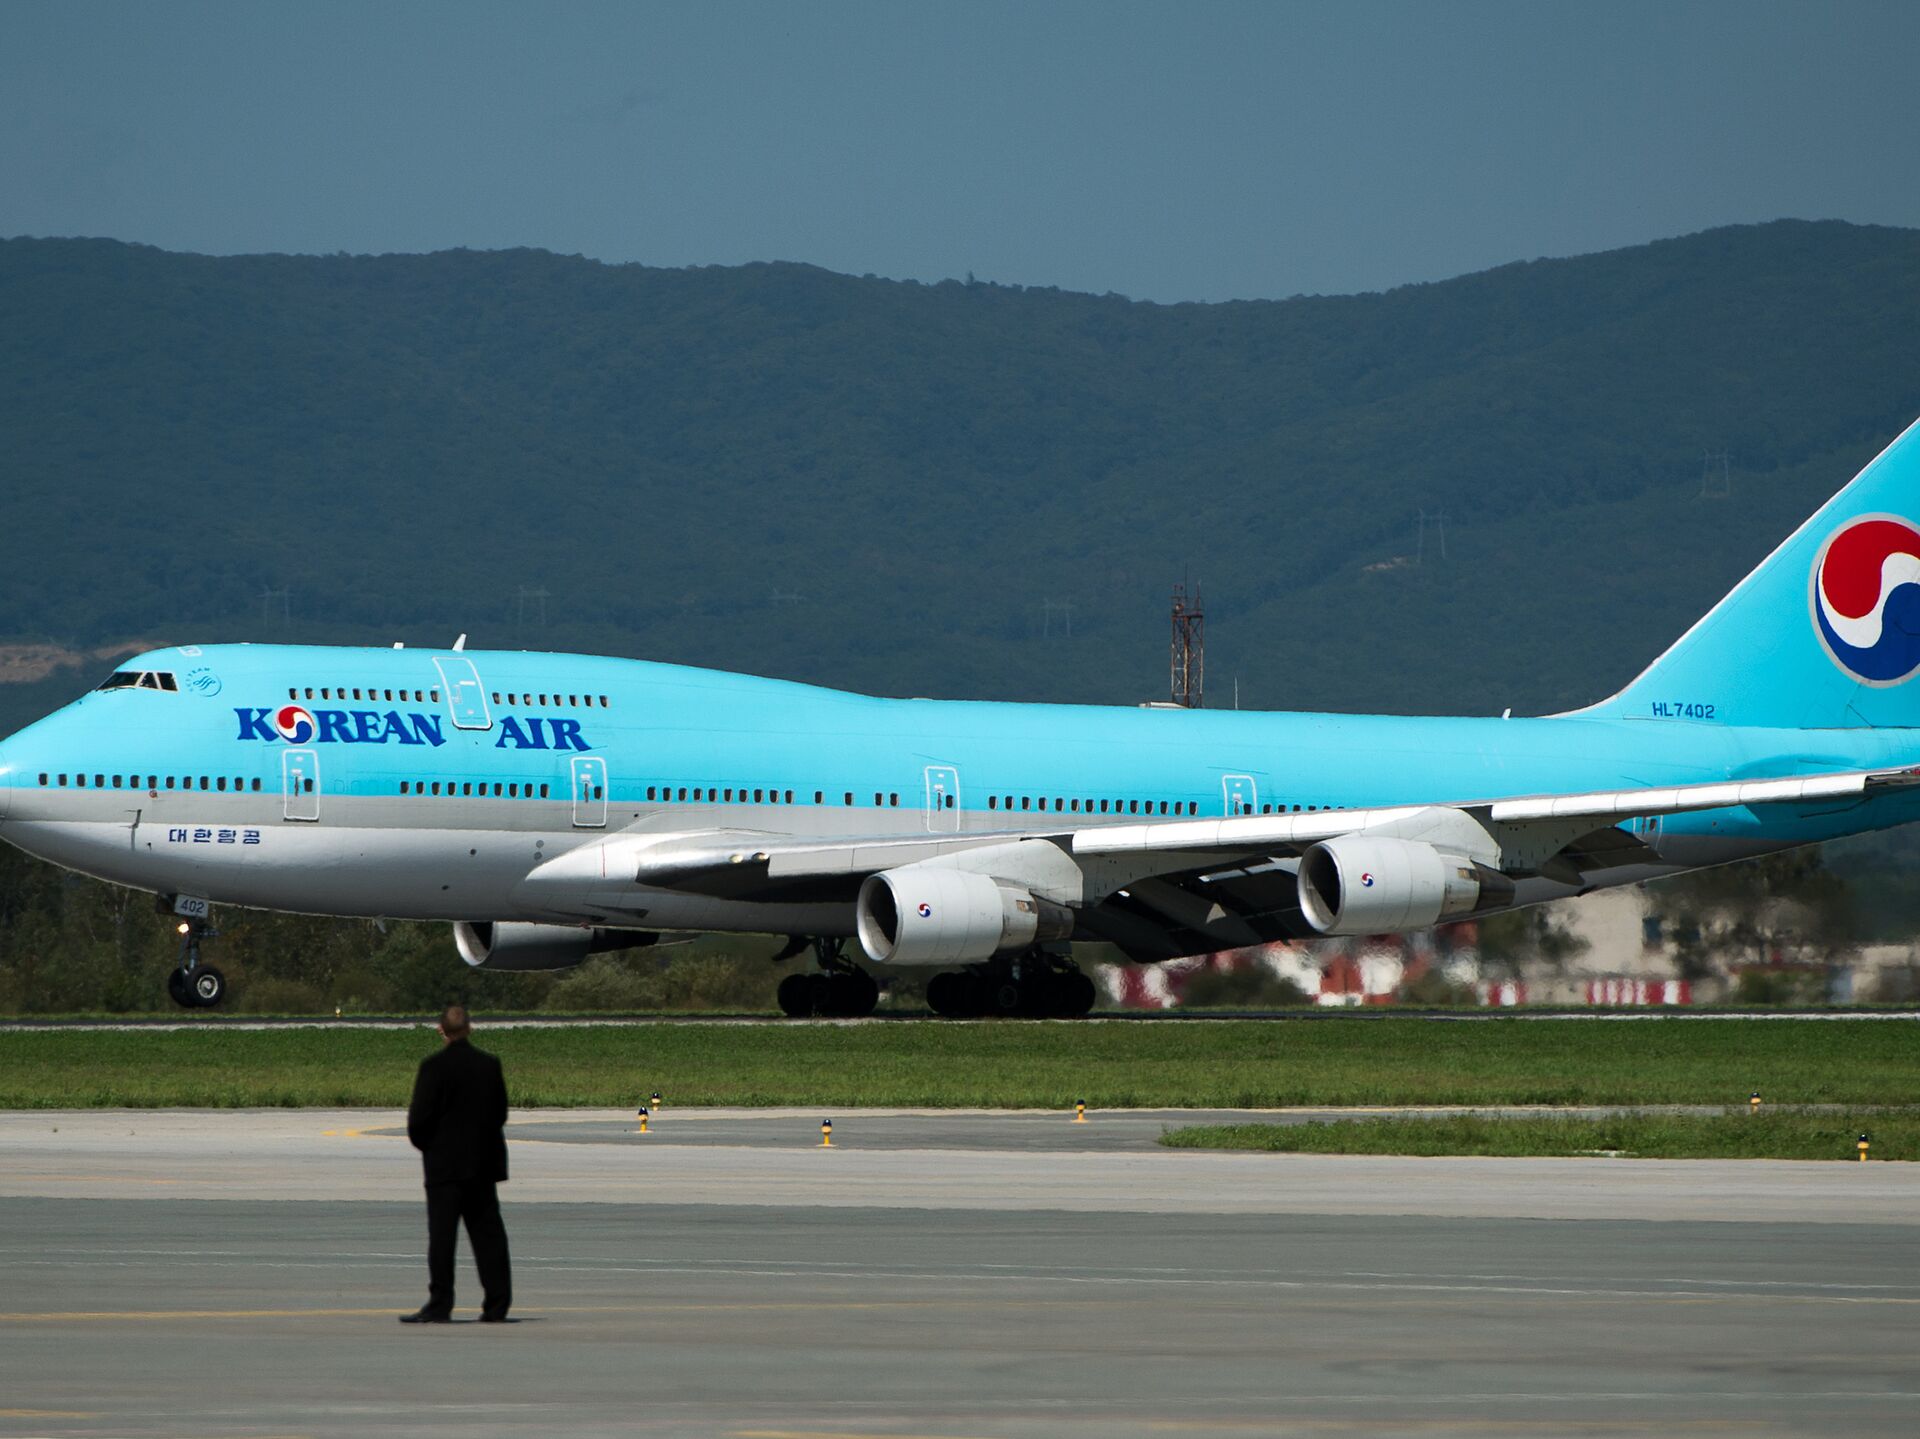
x: 46, y: 1414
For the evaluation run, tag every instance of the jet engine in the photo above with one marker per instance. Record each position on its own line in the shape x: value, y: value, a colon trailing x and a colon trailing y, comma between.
x: 1357, y: 884
x: 515, y: 946
x: 927, y: 914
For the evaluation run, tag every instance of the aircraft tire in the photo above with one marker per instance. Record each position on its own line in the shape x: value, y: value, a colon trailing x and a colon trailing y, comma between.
x: 795, y: 996
x: 943, y: 994
x: 859, y: 994
x: 207, y: 984
x: 1077, y: 996
x: 179, y: 990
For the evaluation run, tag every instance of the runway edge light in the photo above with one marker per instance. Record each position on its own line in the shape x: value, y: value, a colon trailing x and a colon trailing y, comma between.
x: 643, y: 1120
x: 826, y: 1134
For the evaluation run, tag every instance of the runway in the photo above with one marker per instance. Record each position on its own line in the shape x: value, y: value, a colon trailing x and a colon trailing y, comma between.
x: 948, y: 1276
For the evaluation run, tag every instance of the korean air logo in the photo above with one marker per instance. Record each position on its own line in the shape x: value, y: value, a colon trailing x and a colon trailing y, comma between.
x: 925, y: 910
x: 1865, y: 598
x: 1366, y: 879
x: 294, y: 724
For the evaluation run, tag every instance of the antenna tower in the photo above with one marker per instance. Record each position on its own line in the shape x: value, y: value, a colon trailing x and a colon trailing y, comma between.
x: 1189, y: 668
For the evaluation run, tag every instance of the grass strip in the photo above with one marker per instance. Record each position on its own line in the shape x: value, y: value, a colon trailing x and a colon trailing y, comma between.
x: 1894, y: 1134
x: 1021, y: 1065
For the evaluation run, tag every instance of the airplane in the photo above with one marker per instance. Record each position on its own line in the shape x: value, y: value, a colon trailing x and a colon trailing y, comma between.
x: 555, y: 806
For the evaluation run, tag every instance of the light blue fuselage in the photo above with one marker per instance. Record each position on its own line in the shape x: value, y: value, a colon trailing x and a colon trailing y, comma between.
x: 440, y: 806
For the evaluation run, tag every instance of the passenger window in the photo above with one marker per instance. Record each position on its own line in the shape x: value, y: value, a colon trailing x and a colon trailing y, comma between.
x: 436, y: 786
x: 43, y: 781
x: 220, y: 783
x: 307, y: 786
x: 598, y: 793
x: 894, y: 800
x: 513, y: 791
x: 467, y: 790
x: 436, y: 695
x: 99, y: 781
x: 849, y: 799
x: 756, y: 796
x: 789, y: 796
x: 309, y: 691
x: 116, y: 781
x: 1023, y: 801
x: 293, y: 694
x: 543, y: 791
x: 496, y: 696
x: 993, y: 801
x: 949, y: 801
x: 1073, y: 805
x: 876, y: 799
x: 63, y: 780
x: 819, y: 796
x: 403, y: 786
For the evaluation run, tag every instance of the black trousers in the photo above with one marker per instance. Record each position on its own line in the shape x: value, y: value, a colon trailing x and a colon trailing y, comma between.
x: 478, y: 1203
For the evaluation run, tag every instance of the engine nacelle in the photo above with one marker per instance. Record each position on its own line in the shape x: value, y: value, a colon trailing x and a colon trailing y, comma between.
x: 1357, y: 884
x: 926, y: 914
x: 515, y: 946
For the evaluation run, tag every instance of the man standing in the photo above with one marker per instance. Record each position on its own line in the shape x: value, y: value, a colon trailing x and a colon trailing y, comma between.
x: 456, y: 1119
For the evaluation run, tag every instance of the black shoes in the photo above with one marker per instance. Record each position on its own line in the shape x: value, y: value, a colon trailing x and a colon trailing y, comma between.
x: 425, y: 1315
x: 493, y: 1316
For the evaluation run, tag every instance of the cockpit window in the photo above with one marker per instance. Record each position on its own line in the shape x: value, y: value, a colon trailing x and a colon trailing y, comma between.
x: 141, y: 679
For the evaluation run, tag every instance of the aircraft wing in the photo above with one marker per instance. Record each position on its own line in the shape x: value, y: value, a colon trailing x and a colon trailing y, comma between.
x: 1180, y: 886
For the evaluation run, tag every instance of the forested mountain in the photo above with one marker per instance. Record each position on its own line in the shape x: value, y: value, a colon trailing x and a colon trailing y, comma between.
x: 902, y: 488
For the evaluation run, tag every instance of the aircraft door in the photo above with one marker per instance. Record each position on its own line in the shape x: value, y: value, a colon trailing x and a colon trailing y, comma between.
x: 466, y: 700
x: 300, y: 784
x: 943, y: 799
x: 1242, y: 795
x: 589, y: 792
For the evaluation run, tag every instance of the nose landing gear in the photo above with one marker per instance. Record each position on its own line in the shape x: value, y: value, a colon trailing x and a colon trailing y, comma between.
x: 195, y: 985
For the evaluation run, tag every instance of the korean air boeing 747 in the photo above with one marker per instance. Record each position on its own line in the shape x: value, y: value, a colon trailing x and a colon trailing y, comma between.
x: 553, y: 806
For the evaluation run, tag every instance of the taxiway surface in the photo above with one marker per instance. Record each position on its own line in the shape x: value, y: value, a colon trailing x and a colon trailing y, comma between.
x: 956, y: 1276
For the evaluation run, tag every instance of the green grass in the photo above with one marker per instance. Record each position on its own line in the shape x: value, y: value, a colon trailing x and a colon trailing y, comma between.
x: 1014, y: 1065
x: 1775, y: 1134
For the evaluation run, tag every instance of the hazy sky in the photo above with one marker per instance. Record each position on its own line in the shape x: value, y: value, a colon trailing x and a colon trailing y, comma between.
x: 1166, y: 151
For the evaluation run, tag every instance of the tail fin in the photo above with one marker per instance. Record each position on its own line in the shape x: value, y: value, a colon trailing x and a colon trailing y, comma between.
x: 1825, y: 634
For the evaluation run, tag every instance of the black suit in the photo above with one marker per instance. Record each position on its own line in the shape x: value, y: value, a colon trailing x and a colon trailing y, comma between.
x: 456, y: 1119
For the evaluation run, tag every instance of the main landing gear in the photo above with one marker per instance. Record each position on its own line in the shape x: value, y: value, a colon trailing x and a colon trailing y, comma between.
x: 195, y: 985
x: 839, y: 990
x: 1031, y: 985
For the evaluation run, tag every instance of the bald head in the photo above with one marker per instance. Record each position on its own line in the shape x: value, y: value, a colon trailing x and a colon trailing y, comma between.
x: 455, y: 1023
